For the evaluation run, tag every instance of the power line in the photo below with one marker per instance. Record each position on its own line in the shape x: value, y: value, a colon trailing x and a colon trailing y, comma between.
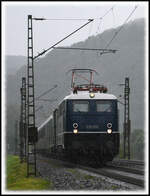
x: 37, y: 98
x: 113, y: 15
x: 90, y: 29
x: 61, y: 19
x: 100, y: 24
x: 103, y: 17
x: 92, y: 49
x: 69, y: 18
x: 106, y: 13
x: 49, y: 100
x: 39, y: 108
x: 98, y: 28
x: 120, y: 102
x: 121, y: 27
x: 89, y: 21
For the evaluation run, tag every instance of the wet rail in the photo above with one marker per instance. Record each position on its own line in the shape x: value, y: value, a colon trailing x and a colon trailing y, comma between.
x: 130, y: 162
x: 123, y: 174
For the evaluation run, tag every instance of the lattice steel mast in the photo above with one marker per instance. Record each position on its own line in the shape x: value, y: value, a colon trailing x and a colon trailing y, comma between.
x: 24, y: 127
x: 126, y: 119
x: 21, y: 142
x: 31, y: 129
x: 22, y: 123
x: 16, y: 137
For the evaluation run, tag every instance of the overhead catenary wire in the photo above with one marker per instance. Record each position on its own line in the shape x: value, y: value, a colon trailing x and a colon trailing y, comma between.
x: 69, y: 18
x: 37, y: 98
x: 48, y: 100
x: 116, y: 32
x: 46, y: 92
x: 113, y: 20
x: 101, y: 18
x: 121, y: 27
x: 111, y: 9
x: 90, y: 29
x: 106, y: 13
x: 99, y: 25
x: 92, y: 49
x: 89, y: 21
x: 60, y: 19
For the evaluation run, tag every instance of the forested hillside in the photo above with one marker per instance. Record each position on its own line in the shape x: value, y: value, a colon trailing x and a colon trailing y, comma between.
x: 128, y: 61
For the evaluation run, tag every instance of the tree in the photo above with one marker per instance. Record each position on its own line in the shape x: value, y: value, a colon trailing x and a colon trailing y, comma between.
x: 137, y: 144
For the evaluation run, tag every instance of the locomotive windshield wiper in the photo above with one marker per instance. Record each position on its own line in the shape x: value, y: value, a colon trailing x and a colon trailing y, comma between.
x: 77, y: 110
x: 108, y: 109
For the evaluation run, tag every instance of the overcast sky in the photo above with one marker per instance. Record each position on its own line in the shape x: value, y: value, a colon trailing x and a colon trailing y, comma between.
x: 47, y: 33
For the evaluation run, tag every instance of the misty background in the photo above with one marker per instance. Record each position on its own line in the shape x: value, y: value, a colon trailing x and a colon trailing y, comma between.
x: 51, y: 69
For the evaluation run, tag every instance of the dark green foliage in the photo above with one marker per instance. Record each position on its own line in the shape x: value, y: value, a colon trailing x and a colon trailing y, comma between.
x: 137, y: 144
x: 121, y: 155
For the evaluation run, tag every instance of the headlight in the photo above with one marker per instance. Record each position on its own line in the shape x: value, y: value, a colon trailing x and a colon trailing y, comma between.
x: 92, y: 95
x: 109, y: 131
x: 75, y: 131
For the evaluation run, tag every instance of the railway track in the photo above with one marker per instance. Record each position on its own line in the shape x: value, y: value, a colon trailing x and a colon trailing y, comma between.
x: 129, y: 162
x: 123, y: 174
x: 120, y: 174
x: 126, y: 169
x: 133, y: 166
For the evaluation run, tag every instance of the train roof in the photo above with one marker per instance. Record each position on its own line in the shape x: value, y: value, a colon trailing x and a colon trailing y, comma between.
x: 45, y: 122
x: 86, y: 95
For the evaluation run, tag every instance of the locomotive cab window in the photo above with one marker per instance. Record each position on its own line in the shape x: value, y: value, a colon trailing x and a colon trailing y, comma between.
x: 80, y: 106
x: 104, y: 106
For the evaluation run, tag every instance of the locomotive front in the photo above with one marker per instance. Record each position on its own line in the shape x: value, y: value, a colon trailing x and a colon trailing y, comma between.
x: 92, y: 125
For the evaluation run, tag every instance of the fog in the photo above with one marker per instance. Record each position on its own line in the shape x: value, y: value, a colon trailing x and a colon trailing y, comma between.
x: 46, y: 33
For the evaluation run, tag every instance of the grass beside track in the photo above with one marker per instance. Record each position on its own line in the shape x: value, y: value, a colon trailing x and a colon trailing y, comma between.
x: 17, y: 180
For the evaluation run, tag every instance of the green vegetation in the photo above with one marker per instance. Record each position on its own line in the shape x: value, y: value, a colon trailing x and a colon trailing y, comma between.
x: 17, y: 180
x: 88, y: 177
x: 114, y: 187
x: 137, y: 144
x: 75, y: 172
x: 79, y: 175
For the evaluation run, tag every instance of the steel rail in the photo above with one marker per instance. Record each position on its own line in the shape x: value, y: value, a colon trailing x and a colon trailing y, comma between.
x: 110, y: 174
x: 126, y: 169
x: 105, y: 172
x: 130, y: 162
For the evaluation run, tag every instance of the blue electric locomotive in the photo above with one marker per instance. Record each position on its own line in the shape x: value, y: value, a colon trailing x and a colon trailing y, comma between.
x: 84, y: 124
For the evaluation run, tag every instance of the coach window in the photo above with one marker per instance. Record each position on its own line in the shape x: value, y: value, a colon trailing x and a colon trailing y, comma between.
x: 80, y: 106
x: 103, y: 106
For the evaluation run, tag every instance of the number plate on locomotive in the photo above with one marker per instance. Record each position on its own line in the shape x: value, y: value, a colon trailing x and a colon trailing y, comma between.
x: 92, y: 126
